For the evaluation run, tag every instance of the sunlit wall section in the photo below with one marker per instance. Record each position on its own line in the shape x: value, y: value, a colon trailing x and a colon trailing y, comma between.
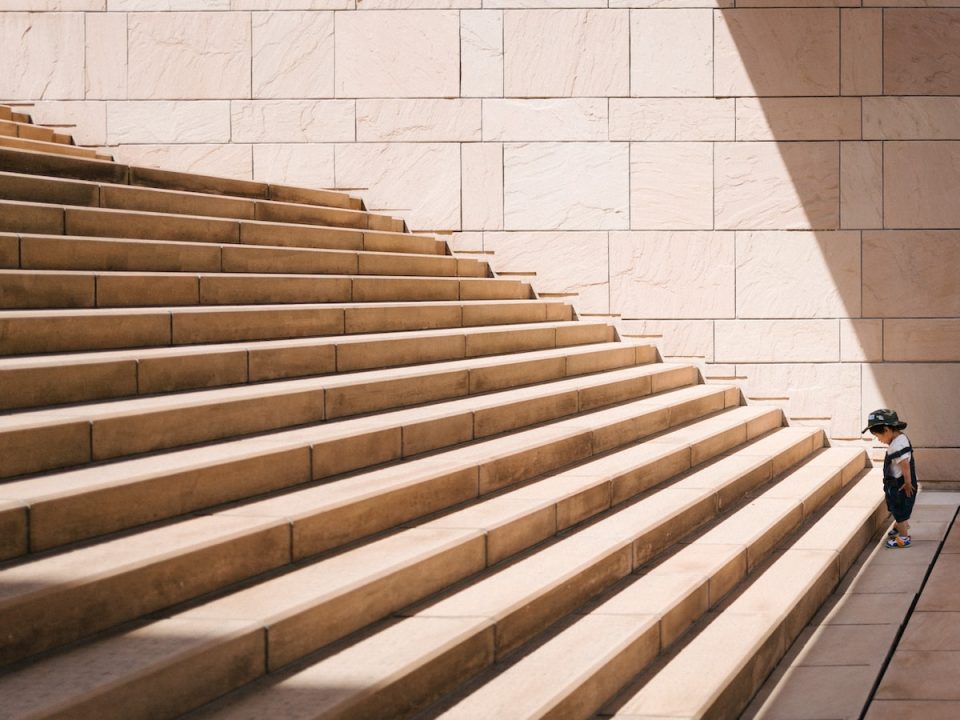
x: 768, y: 191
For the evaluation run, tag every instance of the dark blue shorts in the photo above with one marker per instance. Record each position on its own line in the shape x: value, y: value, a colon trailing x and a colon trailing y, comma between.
x: 899, y: 505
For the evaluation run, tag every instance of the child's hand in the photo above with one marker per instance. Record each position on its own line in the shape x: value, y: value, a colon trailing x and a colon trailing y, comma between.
x: 908, y: 489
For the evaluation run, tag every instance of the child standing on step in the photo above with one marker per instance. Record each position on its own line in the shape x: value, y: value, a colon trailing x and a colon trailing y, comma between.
x: 899, y: 473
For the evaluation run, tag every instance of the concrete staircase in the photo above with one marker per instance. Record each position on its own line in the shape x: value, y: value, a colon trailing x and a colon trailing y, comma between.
x: 266, y: 454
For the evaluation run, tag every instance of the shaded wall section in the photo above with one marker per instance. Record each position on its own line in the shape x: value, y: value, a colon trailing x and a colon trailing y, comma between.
x: 767, y: 191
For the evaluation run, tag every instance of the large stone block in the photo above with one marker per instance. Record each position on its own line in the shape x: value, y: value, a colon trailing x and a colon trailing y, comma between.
x: 911, y: 274
x: 418, y: 181
x: 293, y: 54
x: 44, y: 56
x: 861, y: 184
x: 57, y: 5
x: 798, y: 119
x: 554, y: 119
x: 920, y: 55
x: 798, y: 274
x: 301, y: 164
x: 676, y: 339
x: 777, y: 185
x: 671, y: 3
x: 916, y: 340
x: 672, y: 119
x: 105, y: 68
x: 671, y: 275
x: 293, y: 4
x: 920, y: 393
x: 234, y: 161
x: 481, y: 53
x: 671, y: 53
x: 671, y: 186
x: 201, y: 121
x: 911, y: 118
x: 482, y: 178
x: 861, y: 340
x: 565, y: 262
x: 779, y: 341
x: 778, y: 52
x: 417, y: 4
x: 558, y: 53
x: 418, y: 120
x: 827, y: 393
x: 919, y: 184
x: 293, y: 120
x: 85, y: 120
x: 181, y: 55
x: 566, y: 186
x: 117, y: 5
x: 861, y: 51
x: 398, y: 53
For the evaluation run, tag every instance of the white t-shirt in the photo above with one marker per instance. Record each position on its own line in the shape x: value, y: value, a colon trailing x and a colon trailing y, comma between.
x: 899, y: 443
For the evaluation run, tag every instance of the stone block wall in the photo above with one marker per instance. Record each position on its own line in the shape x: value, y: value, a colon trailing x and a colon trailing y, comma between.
x: 770, y: 191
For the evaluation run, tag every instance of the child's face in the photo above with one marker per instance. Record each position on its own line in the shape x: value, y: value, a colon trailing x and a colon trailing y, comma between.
x: 883, y: 434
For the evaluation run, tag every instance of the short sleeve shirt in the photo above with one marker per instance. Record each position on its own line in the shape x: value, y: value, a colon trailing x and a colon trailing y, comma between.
x: 899, y: 443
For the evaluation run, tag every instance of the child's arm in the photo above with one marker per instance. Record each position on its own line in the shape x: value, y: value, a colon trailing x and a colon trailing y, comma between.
x: 907, y: 477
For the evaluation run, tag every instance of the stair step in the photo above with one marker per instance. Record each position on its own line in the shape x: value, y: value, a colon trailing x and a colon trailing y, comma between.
x: 9, y: 128
x: 604, y: 647
x: 389, y: 573
x: 57, y: 252
x: 62, y: 166
x: 39, y: 289
x: 71, y: 505
x: 117, y: 428
x: 47, y: 147
x: 31, y: 381
x: 719, y: 670
x: 25, y: 332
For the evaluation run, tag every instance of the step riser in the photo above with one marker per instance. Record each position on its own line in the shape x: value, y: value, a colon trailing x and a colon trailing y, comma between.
x: 19, y: 161
x: 52, y: 333
x: 89, y: 380
x: 158, y: 495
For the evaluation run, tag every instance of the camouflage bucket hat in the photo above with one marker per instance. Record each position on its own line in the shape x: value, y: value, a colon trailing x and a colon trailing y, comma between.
x: 879, y: 418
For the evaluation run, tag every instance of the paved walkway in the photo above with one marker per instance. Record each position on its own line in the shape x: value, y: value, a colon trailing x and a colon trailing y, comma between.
x: 831, y: 670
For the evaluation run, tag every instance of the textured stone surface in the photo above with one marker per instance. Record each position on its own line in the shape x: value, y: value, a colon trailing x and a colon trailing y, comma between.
x: 861, y: 56
x: 188, y: 55
x: 203, y: 121
x: 105, y: 70
x: 48, y: 62
x: 861, y: 184
x: 671, y: 53
x: 401, y: 53
x: 85, y: 120
x: 682, y: 339
x: 565, y: 262
x: 555, y: 119
x: 565, y: 186
x: 482, y: 178
x: 777, y: 185
x: 911, y: 118
x: 777, y: 52
x: 861, y: 340
x: 671, y: 186
x: 418, y: 181
x: 234, y: 161
x: 798, y: 274
x: 292, y: 120
x: 920, y: 51
x: 916, y: 391
x: 304, y: 164
x: 744, y: 341
x: 921, y: 340
x: 798, y: 119
x: 481, y: 53
x: 672, y: 119
x: 918, y: 183
x: 672, y: 274
x: 292, y: 54
x: 821, y: 392
x: 418, y: 120
x: 558, y: 53
x: 911, y: 274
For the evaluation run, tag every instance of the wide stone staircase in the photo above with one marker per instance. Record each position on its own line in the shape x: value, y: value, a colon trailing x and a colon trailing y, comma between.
x: 265, y: 454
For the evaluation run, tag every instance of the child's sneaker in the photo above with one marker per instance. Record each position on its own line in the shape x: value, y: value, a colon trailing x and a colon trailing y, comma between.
x: 892, y: 533
x: 900, y: 541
